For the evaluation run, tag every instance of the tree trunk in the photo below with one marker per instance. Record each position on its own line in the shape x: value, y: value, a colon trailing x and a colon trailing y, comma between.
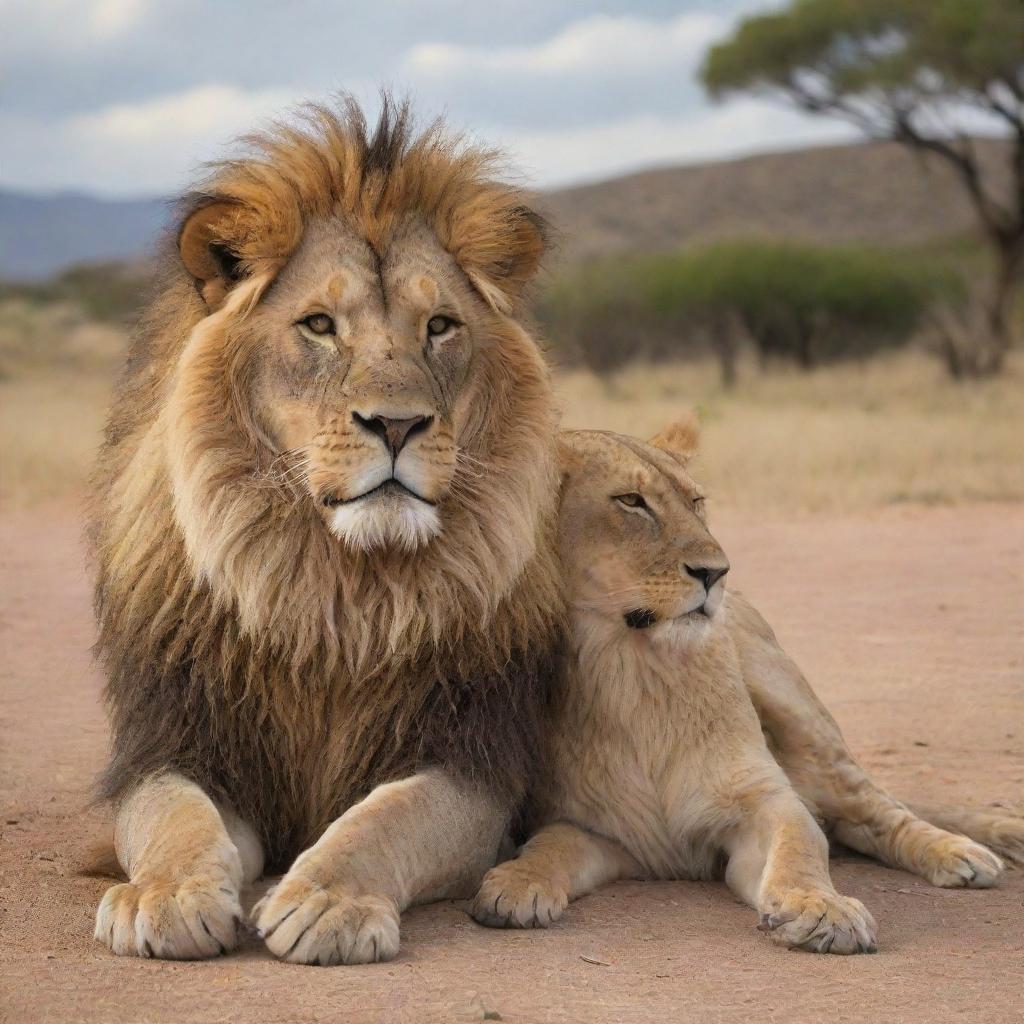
x: 723, y: 338
x: 999, y: 319
x: 805, y: 348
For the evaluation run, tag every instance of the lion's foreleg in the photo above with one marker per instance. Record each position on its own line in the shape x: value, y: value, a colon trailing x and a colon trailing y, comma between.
x: 560, y: 863
x: 778, y: 863
x: 427, y: 837
x: 186, y: 863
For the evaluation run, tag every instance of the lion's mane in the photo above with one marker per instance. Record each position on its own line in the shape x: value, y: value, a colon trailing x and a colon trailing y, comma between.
x: 245, y: 647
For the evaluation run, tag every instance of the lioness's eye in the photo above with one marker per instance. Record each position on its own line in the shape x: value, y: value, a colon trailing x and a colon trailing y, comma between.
x: 438, y: 325
x: 319, y: 323
x: 630, y: 500
x: 698, y: 506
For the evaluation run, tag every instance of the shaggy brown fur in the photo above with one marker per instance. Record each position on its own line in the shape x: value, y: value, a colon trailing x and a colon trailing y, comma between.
x: 245, y: 647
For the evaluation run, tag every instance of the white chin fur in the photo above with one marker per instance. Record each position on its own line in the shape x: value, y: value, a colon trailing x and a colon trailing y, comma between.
x: 690, y: 630
x: 385, y: 523
x: 682, y: 632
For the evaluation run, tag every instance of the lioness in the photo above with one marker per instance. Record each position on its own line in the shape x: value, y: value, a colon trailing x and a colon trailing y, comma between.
x: 328, y: 593
x: 658, y: 766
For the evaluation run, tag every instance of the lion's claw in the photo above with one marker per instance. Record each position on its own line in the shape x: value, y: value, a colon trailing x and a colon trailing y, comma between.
x: 820, y: 922
x: 511, y: 897
x: 305, y: 923
x: 189, y: 920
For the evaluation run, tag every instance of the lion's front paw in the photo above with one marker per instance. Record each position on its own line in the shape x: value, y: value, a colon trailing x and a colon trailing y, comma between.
x: 193, y: 919
x: 511, y: 896
x: 820, y: 922
x: 307, y: 924
x: 956, y: 861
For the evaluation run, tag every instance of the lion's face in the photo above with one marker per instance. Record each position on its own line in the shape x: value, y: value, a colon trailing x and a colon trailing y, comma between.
x: 633, y: 537
x: 362, y: 378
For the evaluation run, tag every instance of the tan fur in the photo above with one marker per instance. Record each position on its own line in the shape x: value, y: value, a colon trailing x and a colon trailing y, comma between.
x: 658, y: 763
x: 186, y: 870
x: 423, y: 838
x: 281, y: 662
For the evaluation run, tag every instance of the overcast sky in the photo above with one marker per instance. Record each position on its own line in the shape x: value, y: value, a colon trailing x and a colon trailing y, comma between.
x: 128, y: 97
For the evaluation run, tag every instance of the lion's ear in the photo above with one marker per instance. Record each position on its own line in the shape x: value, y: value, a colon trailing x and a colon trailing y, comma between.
x: 509, y: 265
x: 680, y: 439
x: 206, y: 248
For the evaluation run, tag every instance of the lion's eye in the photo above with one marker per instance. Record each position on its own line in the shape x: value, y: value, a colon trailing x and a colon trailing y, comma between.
x: 631, y: 500
x: 319, y: 323
x: 698, y: 505
x: 438, y: 325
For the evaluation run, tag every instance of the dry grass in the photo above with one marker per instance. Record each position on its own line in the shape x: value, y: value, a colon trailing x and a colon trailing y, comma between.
x: 843, y: 438
x: 49, y: 431
x: 849, y: 438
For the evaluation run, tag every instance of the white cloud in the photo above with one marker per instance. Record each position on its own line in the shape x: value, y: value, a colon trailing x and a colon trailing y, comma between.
x: 156, y: 146
x: 114, y: 17
x: 592, y: 98
x: 152, y: 147
x: 213, y: 112
x: 603, y: 44
x: 602, y: 150
x: 51, y: 27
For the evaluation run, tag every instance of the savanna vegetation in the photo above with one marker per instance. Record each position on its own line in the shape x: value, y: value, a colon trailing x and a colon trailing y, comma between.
x: 814, y: 364
x: 787, y: 302
x: 844, y: 435
x: 923, y: 73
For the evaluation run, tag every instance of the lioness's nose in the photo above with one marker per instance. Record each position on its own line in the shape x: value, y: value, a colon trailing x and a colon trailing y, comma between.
x: 394, y: 432
x: 709, y: 577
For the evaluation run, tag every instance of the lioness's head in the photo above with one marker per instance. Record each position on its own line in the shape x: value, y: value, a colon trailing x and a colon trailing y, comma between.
x: 633, y: 536
x: 364, y: 282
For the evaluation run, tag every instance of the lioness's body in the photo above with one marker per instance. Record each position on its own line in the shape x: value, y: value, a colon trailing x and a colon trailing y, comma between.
x: 328, y: 593
x: 685, y: 741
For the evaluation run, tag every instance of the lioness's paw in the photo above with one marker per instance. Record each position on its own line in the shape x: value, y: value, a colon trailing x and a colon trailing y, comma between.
x: 820, y: 922
x: 511, y: 896
x: 955, y: 861
x: 305, y: 923
x: 189, y: 920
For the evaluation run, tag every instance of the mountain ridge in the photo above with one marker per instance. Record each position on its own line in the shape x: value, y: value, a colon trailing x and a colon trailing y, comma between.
x: 873, y: 192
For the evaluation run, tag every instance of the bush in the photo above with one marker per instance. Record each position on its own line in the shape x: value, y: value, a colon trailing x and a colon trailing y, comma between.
x: 105, y: 292
x: 809, y: 304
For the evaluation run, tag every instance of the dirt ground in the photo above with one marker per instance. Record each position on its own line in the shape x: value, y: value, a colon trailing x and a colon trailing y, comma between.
x: 909, y: 622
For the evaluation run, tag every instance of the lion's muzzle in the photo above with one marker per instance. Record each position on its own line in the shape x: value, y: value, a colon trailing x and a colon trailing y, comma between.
x: 382, y: 476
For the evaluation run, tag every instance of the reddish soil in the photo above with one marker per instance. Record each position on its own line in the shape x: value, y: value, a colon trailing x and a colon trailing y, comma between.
x: 911, y: 625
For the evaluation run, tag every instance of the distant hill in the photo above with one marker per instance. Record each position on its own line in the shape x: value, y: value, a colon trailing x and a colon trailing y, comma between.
x: 870, y: 192
x: 873, y: 192
x: 42, y: 235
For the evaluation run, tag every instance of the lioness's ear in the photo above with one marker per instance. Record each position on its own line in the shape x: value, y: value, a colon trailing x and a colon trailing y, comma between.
x: 204, y: 243
x: 568, y: 457
x: 569, y: 460
x: 507, y: 266
x: 680, y: 439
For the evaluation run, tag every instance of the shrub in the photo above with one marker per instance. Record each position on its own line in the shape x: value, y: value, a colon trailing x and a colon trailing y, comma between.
x: 809, y: 304
x: 105, y: 292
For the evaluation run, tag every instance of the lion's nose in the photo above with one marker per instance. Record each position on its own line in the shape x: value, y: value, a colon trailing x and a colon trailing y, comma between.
x: 394, y: 432
x: 709, y: 577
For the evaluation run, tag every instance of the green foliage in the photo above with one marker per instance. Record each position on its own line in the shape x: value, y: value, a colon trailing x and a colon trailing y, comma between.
x: 830, y: 54
x: 909, y: 70
x: 810, y: 304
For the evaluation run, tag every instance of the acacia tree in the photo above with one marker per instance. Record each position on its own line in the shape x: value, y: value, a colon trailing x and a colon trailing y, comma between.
x: 919, y: 72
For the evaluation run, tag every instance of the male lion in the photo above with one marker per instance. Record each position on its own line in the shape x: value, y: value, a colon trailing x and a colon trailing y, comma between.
x: 328, y: 596
x: 658, y: 764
